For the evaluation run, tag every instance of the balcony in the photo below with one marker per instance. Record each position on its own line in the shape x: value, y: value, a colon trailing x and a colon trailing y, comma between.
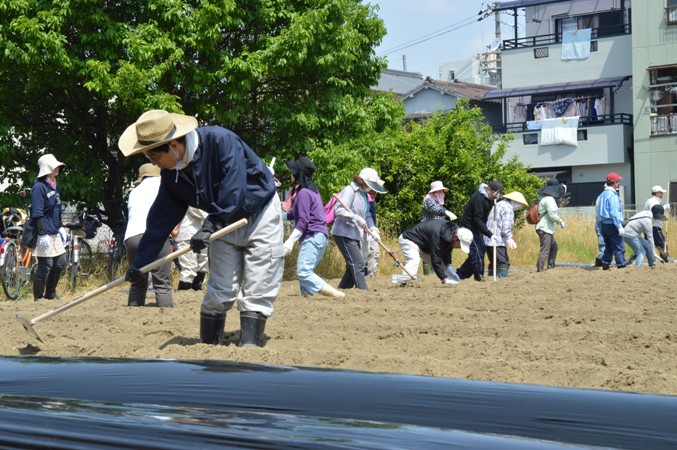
x: 548, y: 39
x: 583, y: 121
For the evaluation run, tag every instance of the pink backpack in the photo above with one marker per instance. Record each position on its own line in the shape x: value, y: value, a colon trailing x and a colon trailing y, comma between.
x: 329, y: 210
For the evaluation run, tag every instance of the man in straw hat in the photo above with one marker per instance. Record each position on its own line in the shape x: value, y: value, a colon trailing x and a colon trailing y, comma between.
x: 211, y: 168
x: 141, y: 198
x: 502, y: 218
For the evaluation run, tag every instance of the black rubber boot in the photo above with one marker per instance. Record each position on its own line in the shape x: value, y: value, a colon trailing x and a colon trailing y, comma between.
x: 198, y: 280
x: 185, y: 286
x: 38, y: 288
x: 51, y: 283
x: 211, y: 328
x: 252, y: 325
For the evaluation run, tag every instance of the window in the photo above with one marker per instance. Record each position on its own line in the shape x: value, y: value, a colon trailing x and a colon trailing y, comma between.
x: 530, y: 138
x: 663, y: 100
x: 541, y: 52
x: 671, y: 12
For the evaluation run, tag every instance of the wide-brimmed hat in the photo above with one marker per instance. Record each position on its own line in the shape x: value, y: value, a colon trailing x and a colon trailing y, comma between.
x: 516, y: 197
x: 553, y: 188
x: 147, y: 170
x: 658, y: 188
x: 436, y: 186
x: 153, y: 129
x: 658, y: 212
x: 47, y: 163
x: 371, y: 179
x: 465, y: 238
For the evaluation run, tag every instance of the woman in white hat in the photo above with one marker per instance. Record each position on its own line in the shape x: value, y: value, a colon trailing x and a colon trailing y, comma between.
x: 213, y: 169
x: 502, y: 218
x: 46, y: 212
x: 140, y: 199
x: 350, y: 224
x: 433, y: 203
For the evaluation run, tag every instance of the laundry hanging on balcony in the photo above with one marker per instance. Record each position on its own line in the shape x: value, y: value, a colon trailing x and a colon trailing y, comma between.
x: 562, y: 130
x: 576, y: 44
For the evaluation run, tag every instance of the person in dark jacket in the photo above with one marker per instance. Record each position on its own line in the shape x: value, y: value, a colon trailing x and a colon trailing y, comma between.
x: 474, y: 218
x: 212, y: 169
x: 46, y: 212
x: 433, y: 240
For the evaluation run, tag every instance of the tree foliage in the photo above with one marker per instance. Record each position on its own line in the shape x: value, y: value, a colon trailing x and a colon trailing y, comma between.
x: 457, y: 148
x: 286, y: 75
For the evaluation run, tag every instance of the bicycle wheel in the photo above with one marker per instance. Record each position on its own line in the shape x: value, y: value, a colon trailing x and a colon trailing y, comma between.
x: 11, y: 281
x: 86, y: 259
x: 116, y: 255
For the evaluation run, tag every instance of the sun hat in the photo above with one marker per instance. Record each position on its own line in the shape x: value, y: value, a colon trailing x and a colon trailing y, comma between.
x: 516, y: 197
x: 436, y: 186
x: 613, y: 177
x: 658, y: 212
x: 147, y: 170
x: 371, y: 179
x: 153, y: 129
x: 658, y: 188
x: 465, y: 237
x: 47, y: 163
x: 553, y: 188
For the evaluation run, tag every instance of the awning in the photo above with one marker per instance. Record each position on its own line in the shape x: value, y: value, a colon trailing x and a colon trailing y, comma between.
x: 555, y: 88
x: 524, y: 3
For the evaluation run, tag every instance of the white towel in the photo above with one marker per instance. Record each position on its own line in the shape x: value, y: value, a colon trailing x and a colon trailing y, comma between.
x: 562, y: 130
x: 576, y: 44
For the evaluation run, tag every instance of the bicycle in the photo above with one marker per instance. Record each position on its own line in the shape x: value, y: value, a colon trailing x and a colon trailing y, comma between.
x: 79, y: 256
x: 17, y: 264
x: 116, y: 250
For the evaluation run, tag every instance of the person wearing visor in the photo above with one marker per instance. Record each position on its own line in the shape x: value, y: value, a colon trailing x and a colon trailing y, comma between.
x: 350, y: 224
x: 212, y: 169
x: 474, y: 218
x: 310, y: 229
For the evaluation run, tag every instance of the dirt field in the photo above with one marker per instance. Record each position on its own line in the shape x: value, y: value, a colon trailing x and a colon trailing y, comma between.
x: 571, y: 326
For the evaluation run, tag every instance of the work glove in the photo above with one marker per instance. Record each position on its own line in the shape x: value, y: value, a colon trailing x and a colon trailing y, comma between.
x: 448, y: 281
x: 200, y: 240
x: 289, y: 243
x: 375, y: 234
x: 450, y: 215
x: 666, y: 206
x: 359, y: 221
x: 621, y: 231
x: 512, y: 245
x: 451, y: 273
x: 493, y: 241
x: 561, y: 224
x: 134, y: 275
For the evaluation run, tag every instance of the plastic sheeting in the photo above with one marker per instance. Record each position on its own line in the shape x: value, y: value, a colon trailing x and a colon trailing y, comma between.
x: 106, y: 403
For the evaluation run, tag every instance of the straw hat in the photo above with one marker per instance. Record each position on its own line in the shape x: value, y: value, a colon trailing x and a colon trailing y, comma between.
x: 436, y: 186
x: 371, y: 179
x: 516, y: 197
x: 153, y: 129
x: 147, y: 170
x: 47, y: 163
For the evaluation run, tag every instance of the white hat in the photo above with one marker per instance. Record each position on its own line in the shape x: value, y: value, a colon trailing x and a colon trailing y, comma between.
x: 657, y: 188
x: 436, y: 186
x: 153, y: 129
x: 465, y: 237
x: 371, y: 179
x: 47, y: 163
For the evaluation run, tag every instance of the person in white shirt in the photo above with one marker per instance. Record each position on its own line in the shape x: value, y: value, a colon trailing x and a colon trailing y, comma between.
x: 140, y: 200
x: 194, y: 266
x: 656, y: 198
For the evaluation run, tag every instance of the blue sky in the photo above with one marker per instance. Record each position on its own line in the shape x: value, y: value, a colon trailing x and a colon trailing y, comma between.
x: 409, y: 20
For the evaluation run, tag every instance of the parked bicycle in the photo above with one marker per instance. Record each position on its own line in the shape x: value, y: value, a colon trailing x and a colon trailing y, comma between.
x: 17, y: 264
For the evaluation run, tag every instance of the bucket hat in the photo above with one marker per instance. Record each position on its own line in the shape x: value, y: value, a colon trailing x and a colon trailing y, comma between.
x: 516, y: 197
x: 153, y: 129
x: 553, y: 188
x: 465, y: 238
x: 147, y: 170
x: 371, y: 179
x: 47, y: 163
x: 436, y: 186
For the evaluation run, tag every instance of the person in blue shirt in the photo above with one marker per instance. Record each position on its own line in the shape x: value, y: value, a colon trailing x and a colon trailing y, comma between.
x: 610, y: 221
x: 213, y: 169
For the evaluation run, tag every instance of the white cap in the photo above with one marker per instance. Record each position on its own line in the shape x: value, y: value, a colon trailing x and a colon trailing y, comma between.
x: 657, y: 188
x: 465, y: 237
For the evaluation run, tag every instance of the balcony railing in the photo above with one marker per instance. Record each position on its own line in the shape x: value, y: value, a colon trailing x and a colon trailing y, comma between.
x: 547, y: 39
x: 671, y: 15
x: 583, y: 121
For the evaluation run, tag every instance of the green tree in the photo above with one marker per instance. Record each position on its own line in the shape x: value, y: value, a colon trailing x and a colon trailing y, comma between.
x: 283, y: 74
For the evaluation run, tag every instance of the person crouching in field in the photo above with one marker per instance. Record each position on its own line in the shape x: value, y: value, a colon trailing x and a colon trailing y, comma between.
x: 310, y: 229
x: 642, y: 222
x: 502, y: 218
x: 433, y: 240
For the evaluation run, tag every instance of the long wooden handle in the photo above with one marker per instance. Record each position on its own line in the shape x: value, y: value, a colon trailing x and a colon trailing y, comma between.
x: 145, y: 269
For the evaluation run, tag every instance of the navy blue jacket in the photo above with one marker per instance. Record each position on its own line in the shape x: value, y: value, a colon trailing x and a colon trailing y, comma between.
x: 46, y: 202
x: 226, y: 179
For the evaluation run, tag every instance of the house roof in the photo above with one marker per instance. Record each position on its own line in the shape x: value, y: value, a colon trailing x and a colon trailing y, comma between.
x: 456, y: 88
x: 556, y: 88
x: 398, y: 81
x: 523, y: 4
